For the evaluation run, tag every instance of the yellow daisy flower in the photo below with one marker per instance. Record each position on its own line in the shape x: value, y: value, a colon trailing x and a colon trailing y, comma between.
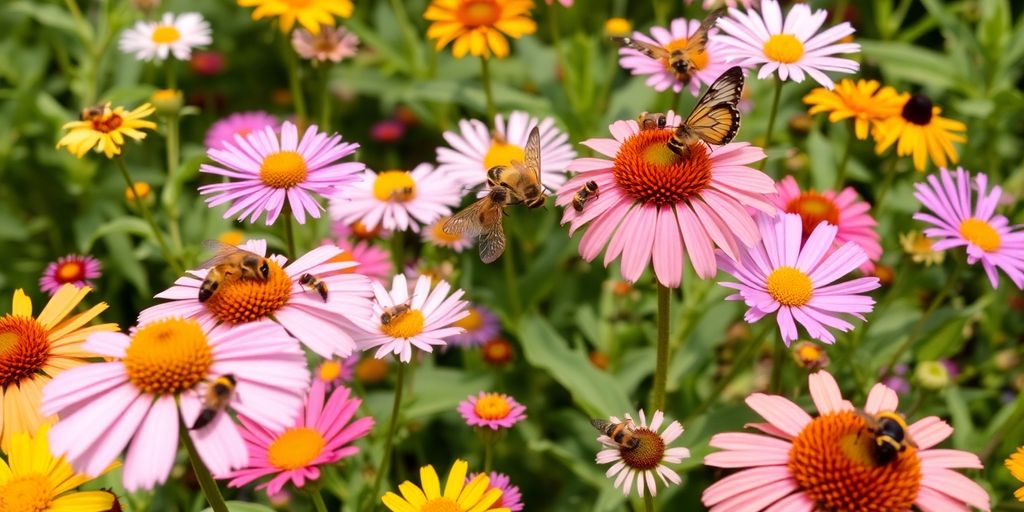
x: 309, y: 13
x: 33, y: 479
x: 919, y: 247
x: 458, y: 496
x: 921, y: 131
x: 862, y: 100
x: 1016, y: 466
x: 105, y: 128
x: 478, y: 27
x: 33, y: 350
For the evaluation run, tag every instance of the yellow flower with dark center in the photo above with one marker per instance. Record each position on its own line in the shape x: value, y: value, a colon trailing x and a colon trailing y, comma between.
x: 865, y: 101
x: 1015, y: 463
x: 35, y: 349
x: 33, y: 480
x: 309, y: 13
x: 478, y: 27
x: 458, y: 495
x: 105, y: 128
x: 922, y: 133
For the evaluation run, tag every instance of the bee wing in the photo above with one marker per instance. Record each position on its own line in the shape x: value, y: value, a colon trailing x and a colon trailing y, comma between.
x: 650, y: 50
x: 492, y: 238
x: 468, y: 221
x: 222, y: 252
x: 532, y: 153
x: 699, y: 39
x: 600, y: 425
x: 716, y: 117
x: 869, y: 420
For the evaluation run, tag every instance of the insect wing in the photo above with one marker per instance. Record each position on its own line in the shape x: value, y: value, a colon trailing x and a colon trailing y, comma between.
x: 699, y: 39
x: 716, y: 117
x: 492, y: 236
x: 532, y: 154
x: 468, y: 221
x: 650, y: 50
x: 222, y: 252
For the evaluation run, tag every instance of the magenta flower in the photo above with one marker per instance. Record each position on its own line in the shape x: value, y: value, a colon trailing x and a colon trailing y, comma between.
x: 223, y: 132
x: 161, y: 368
x: 324, y: 326
x: 654, y: 206
x: 793, y: 278
x: 709, y: 65
x: 801, y: 463
x: 491, y: 410
x: 844, y: 210
x: 70, y: 269
x: 271, y: 171
x: 988, y: 236
x: 510, y: 499
x: 321, y: 435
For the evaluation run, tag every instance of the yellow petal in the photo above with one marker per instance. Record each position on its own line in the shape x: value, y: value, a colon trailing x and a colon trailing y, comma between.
x: 87, y: 501
x: 396, y: 504
x: 474, y: 490
x: 431, y: 486
x: 62, y: 303
x: 456, y: 480
x: 22, y: 304
x: 488, y: 499
x: 414, y: 495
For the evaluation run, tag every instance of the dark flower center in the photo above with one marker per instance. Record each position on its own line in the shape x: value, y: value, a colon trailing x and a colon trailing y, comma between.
x: 918, y: 110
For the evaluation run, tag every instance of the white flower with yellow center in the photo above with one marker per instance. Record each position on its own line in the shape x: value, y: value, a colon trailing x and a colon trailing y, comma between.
x: 398, y: 200
x: 173, y: 35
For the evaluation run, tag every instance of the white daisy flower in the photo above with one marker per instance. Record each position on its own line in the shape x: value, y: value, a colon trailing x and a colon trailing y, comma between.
x: 647, y: 458
x: 398, y: 200
x: 173, y: 35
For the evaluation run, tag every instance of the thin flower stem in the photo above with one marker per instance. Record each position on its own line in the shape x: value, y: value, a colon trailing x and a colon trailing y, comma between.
x: 485, y: 78
x: 741, y: 362
x: 512, y: 283
x: 841, y: 171
x: 556, y: 40
x: 409, y: 32
x: 398, y: 250
x: 172, y: 74
x: 661, y: 363
x: 318, y: 501
x: 648, y: 502
x: 169, y: 257
x: 1008, y: 426
x: 289, y: 232
x: 382, y: 468
x: 173, y: 161
x: 771, y: 119
x: 206, y: 482
x: 890, y: 175
x: 292, y: 63
x: 488, y: 456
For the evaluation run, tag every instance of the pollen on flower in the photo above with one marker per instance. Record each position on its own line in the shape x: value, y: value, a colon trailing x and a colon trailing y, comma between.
x: 477, y: 13
x: 70, y: 272
x: 394, y: 186
x: 790, y: 286
x: 648, y: 452
x: 813, y: 208
x: 502, y: 153
x: 24, y: 348
x: 784, y: 48
x: 283, y: 169
x: 698, y: 60
x: 441, y: 504
x: 652, y: 173
x: 29, y: 493
x: 295, y: 448
x: 329, y: 371
x: 406, y: 325
x: 980, y: 233
x: 168, y: 356
x: 247, y: 300
x: 492, y: 406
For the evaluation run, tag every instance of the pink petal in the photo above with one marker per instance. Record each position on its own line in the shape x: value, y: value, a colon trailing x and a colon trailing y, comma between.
x: 152, y: 452
x: 780, y: 412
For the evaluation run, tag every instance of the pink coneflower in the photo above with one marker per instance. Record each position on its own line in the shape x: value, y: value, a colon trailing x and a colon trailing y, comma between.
x: 989, y: 237
x: 70, y: 269
x: 398, y: 200
x: 663, y: 204
x: 331, y: 44
x: 436, y: 235
x: 793, y: 276
x: 510, y: 499
x: 844, y: 210
x: 323, y: 326
x: 162, y: 367
x: 271, y: 171
x: 241, y: 124
x: 710, y: 64
x: 481, y: 325
x: 491, y: 410
x: 827, y: 462
x: 373, y: 261
x: 322, y: 434
x: 566, y: 4
x: 646, y: 458
x: 426, y: 323
x: 787, y: 45
x: 474, y: 149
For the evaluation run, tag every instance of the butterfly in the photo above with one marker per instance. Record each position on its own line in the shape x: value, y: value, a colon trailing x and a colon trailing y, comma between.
x: 715, y: 118
x: 679, y: 60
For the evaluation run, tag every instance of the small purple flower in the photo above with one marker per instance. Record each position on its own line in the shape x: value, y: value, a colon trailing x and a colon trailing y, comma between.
x: 493, y: 410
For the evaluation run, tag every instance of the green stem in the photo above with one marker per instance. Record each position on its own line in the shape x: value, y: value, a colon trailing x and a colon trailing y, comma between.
x: 289, y: 232
x: 556, y: 40
x: 883, y: 189
x: 771, y: 119
x: 919, y: 326
x: 661, y: 362
x: 169, y: 257
x: 841, y: 172
x: 485, y: 78
x: 292, y: 63
x: 661, y: 11
x: 488, y: 456
x: 742, y: 361
x: 778, y: 357
x: 398, y: 250
x: 318, y: 501
x: 325, y: 99
x: 648, y: 502
x: 392, y: 427
x: 172, y: 74
x: 1008, y: 426
x: 206, y: 482
x: 173, y: 161
x: 409, y: 32
x: 512, y: 283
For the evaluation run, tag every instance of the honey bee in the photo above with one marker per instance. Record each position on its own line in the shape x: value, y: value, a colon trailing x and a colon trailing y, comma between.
x: 217, y: 396
x: 521, y: 179
x: 890, y: 433
x: 482, y: 220
x: 587, y: 192
x: 92, y: 113
x: 621, y: 433
x: 715, y: 118
x: 650, y: 121
x: 392, y: 313
x: 228, y: 264
x: 402, y: 194
x: 315, y: 283
x: 681, y: 61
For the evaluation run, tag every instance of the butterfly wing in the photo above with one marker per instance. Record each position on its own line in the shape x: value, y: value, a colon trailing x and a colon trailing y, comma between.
x: 716, y: 117
x: 651, y: 50
x: 699, y: 39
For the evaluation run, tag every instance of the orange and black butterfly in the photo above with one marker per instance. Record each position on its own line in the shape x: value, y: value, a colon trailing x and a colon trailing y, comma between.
x: 716, y: 118
x: 681, y: 60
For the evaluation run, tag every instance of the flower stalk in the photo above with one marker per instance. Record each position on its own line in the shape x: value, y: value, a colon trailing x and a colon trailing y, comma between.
x: 206, y: 481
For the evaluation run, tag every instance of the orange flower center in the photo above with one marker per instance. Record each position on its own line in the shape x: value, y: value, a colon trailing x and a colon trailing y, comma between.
x: 394, y: 186
x: 329, y: 371
x: 832, y: 461
x: 344, y: 257
x: 813, y: 208
x: 406, y: 325
x: 247, y: 300
x: 107, y: 124
x: 784, y: 48
x: 24, y: 349
x: 492, y: 406
x: 371, y: 370
x: 980, y: 233
x: 70, y: 272
x: 699, y: 60
x: 502, y: 153
x: 295, y: 448
x: 360, y: 230
x: 168, y: 356
x: 651, y: 173
x: 29, y: 493
x: 443, y: 505
x: 166, y: 34
x: 471, y: 322
x: 647, y: 454
x: 790, y: 286
x: 477, y: 13
x: 497, y: 351
x: 283, y: 169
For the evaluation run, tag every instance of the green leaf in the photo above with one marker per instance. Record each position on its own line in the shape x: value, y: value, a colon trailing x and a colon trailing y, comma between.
x: 47, y: 15
x: 901, y: 61
x: 596, y: 391
x: 441, y: 390
x: 241, y: 506
x: 125, y: 263
x: 123, y: 225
